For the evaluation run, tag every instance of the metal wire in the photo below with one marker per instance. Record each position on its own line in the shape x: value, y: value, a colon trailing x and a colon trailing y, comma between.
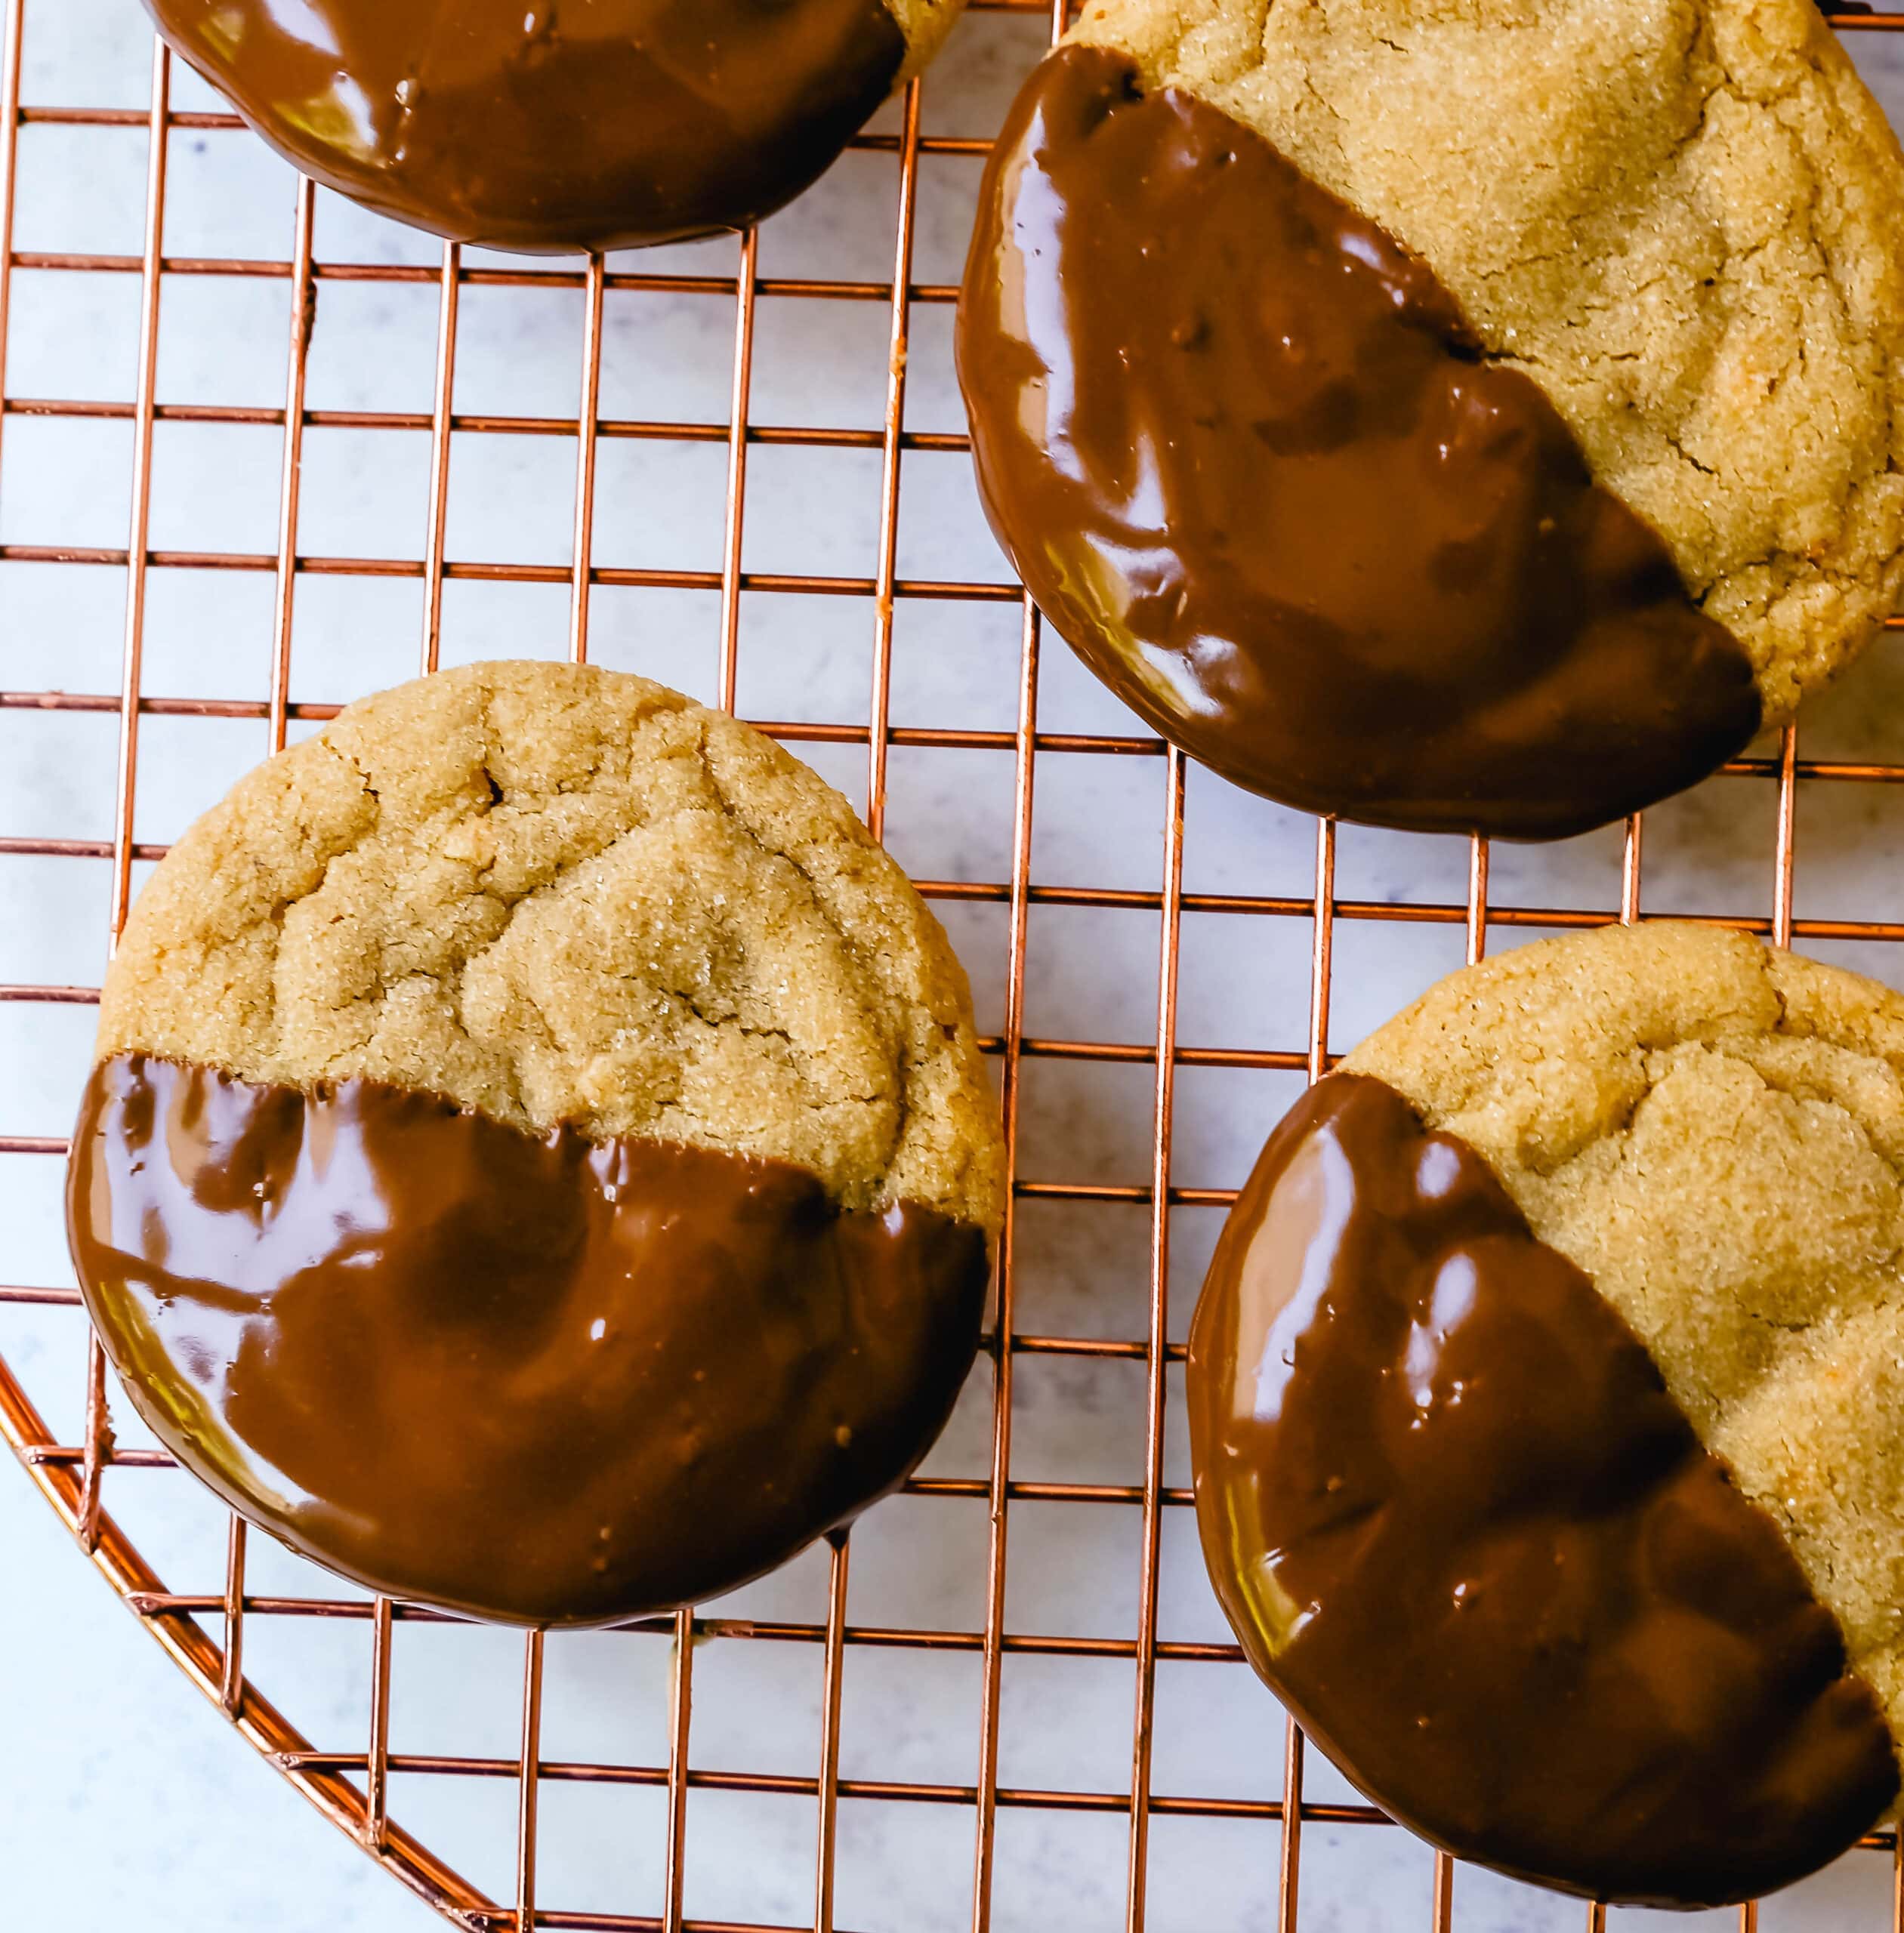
x: 352, y: 1788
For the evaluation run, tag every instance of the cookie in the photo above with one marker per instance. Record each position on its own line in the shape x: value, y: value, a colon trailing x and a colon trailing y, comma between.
x: 542, y: 125
x: 1394, y: 477
x: 537, y: 1159
x: 1547, y: 1399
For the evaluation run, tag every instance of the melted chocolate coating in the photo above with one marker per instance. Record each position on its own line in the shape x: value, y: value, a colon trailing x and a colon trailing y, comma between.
x: 551, y: 125
x: 1248, y: 455
x: 536, y: 1379
x: 1471, y: 1541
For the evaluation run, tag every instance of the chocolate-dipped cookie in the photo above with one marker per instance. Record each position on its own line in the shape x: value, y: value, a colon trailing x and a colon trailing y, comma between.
x: 1395, y: 477
x: 553, y: 125
x: 1547, y: 1412
x: 538, y: 1159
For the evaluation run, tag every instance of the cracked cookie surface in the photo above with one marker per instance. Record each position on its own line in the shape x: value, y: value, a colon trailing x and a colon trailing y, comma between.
x: 1713, y: 1131
x: 1681, y: 217
x: 561, y: 895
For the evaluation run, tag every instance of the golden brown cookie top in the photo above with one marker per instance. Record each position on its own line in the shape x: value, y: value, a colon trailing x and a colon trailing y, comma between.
x: 1679, y: 217
x: 561, y: 895
x: 1714, y: 1132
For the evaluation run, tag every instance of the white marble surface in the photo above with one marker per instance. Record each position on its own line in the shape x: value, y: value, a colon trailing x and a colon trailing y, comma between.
x: 124, y: 1801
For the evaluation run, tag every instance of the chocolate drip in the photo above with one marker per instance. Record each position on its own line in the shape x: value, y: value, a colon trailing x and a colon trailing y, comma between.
x: 540, y: 1380
x: 1246, y: 454
x: 546, y: 125
x: 1467, y: 1536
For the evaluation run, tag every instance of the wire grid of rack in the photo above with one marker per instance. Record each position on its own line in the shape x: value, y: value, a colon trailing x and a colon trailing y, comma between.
x: 204, y: 1631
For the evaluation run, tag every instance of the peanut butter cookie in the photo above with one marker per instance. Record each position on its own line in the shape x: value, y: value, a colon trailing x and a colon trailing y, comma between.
x: 1478, y: 419
x: 545, y: 125
x: 1548, y: 1408
x: 538, y: 1158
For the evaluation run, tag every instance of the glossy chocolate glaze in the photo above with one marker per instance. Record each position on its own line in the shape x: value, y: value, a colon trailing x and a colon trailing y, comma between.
x: 1469, y: 1539
x: 549, y: 125
x: 1247, y: 456
x: 538, y: 1379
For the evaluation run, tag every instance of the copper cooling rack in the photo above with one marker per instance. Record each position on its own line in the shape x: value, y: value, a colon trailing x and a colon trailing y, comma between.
x: 203, y: 1628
